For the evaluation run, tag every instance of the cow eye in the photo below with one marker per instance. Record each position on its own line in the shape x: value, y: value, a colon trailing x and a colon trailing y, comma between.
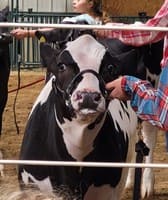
x: 62, y: 67
x: 112, y: 69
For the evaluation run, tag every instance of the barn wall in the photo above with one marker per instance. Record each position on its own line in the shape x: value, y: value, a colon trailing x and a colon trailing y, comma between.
x: 43, y: 5
x: 131, y: 7
x: 112, y: 7
x: 3, y: 4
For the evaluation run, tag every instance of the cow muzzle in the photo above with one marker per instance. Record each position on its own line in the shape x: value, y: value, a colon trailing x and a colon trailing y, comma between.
x: 86, y: 101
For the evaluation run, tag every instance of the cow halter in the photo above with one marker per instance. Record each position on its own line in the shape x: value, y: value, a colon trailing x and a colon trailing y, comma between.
x: 73, y: 84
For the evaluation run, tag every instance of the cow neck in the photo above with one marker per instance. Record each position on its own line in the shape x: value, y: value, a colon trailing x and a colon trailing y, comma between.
x: 79, y: 141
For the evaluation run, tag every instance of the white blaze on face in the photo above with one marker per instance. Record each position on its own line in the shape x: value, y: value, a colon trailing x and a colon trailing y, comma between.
x: 88, y: 54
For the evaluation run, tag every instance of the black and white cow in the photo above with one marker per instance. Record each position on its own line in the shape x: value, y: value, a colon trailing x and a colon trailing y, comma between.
x: 72, y: 120
x: 5, y: 39
x: 146, y: 59
x: 148, y: 67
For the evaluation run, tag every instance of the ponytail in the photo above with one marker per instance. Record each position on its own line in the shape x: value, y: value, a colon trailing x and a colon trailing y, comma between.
x: 97, y: 7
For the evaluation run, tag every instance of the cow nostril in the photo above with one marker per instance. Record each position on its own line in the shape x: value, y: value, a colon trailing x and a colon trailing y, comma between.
x: 79, y: 96
x: 96, y: 97
x: 89, y: 100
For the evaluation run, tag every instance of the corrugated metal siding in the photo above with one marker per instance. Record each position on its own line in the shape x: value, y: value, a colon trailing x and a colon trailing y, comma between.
x: 3, y: 3
x: 33, y: 11
x: 42, y: 5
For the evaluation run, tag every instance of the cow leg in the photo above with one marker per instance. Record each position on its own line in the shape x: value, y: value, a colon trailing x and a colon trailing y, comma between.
x: 131, y: 171
x: 130, y: 177
x: 4, y: 77
x: 150, y: 135
x: 3, y: 100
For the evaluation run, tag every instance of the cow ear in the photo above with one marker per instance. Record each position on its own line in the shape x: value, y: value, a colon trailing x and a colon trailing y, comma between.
x: 127, y: 62
x: 40, y: 36
x: 46, y: 52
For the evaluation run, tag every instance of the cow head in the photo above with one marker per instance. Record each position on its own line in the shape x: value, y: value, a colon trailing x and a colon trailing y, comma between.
x: 78, y: 78
x: 82, y: 67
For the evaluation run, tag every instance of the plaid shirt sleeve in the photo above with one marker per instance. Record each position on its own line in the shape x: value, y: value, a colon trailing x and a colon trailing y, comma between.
x: 150, y: 104
x: 138, y: 38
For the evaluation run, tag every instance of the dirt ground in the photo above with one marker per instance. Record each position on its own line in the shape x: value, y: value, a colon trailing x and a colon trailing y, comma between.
x: 10, y: 141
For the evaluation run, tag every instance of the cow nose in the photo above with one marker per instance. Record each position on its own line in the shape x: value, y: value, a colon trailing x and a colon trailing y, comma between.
x: 88, y: 99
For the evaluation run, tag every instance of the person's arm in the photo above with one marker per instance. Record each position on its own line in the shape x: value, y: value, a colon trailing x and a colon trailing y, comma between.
x: 149, y: 103
x: 23, y: 33
x: 138, y: 38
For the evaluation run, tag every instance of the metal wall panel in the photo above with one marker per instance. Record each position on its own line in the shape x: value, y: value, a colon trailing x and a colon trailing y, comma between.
x: 3, y: 3
x: 41, y: 5
x: 59, y: 6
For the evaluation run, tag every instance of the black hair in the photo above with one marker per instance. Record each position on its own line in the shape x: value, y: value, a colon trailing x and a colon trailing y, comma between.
x: 97, y: 7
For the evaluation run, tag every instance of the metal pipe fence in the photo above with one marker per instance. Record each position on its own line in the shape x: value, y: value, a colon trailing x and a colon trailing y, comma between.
x: 26, y: 52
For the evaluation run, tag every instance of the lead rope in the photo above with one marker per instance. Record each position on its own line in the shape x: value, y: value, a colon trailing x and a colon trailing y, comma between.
x: 141, y: 150
x: 17, y: 92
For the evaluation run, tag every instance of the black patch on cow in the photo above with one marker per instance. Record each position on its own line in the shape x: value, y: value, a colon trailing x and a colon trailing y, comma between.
x: 61, y: 64
x: 109, y: 146
x: 66, y: 70
x: 61, y: 36
x: 43, y: 139
x: 97, y: 121
x: 109, y: 69
x: 4, y: 63
x: 153, y: 54
x: 61, y: 109
x: 126, y: 63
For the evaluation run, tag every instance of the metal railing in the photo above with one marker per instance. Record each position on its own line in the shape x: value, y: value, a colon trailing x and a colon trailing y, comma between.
x: 27, y: 51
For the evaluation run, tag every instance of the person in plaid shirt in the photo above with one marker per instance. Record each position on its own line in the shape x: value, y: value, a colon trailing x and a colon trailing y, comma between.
x: 149, y: 103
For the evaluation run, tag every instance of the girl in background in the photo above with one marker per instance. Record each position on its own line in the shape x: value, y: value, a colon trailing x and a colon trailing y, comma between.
x: 90, y: 11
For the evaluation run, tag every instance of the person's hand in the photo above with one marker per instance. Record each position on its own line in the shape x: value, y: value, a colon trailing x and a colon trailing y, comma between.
x: 19, y: 33
x: 116, y: 90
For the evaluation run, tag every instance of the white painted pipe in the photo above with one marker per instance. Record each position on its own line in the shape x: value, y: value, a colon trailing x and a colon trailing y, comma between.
x: 83, y: 164
x: 79, y: 26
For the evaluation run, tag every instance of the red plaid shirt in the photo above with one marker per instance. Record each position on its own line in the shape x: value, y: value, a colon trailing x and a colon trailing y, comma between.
x: 150, y: 104
x: 138, y: 38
